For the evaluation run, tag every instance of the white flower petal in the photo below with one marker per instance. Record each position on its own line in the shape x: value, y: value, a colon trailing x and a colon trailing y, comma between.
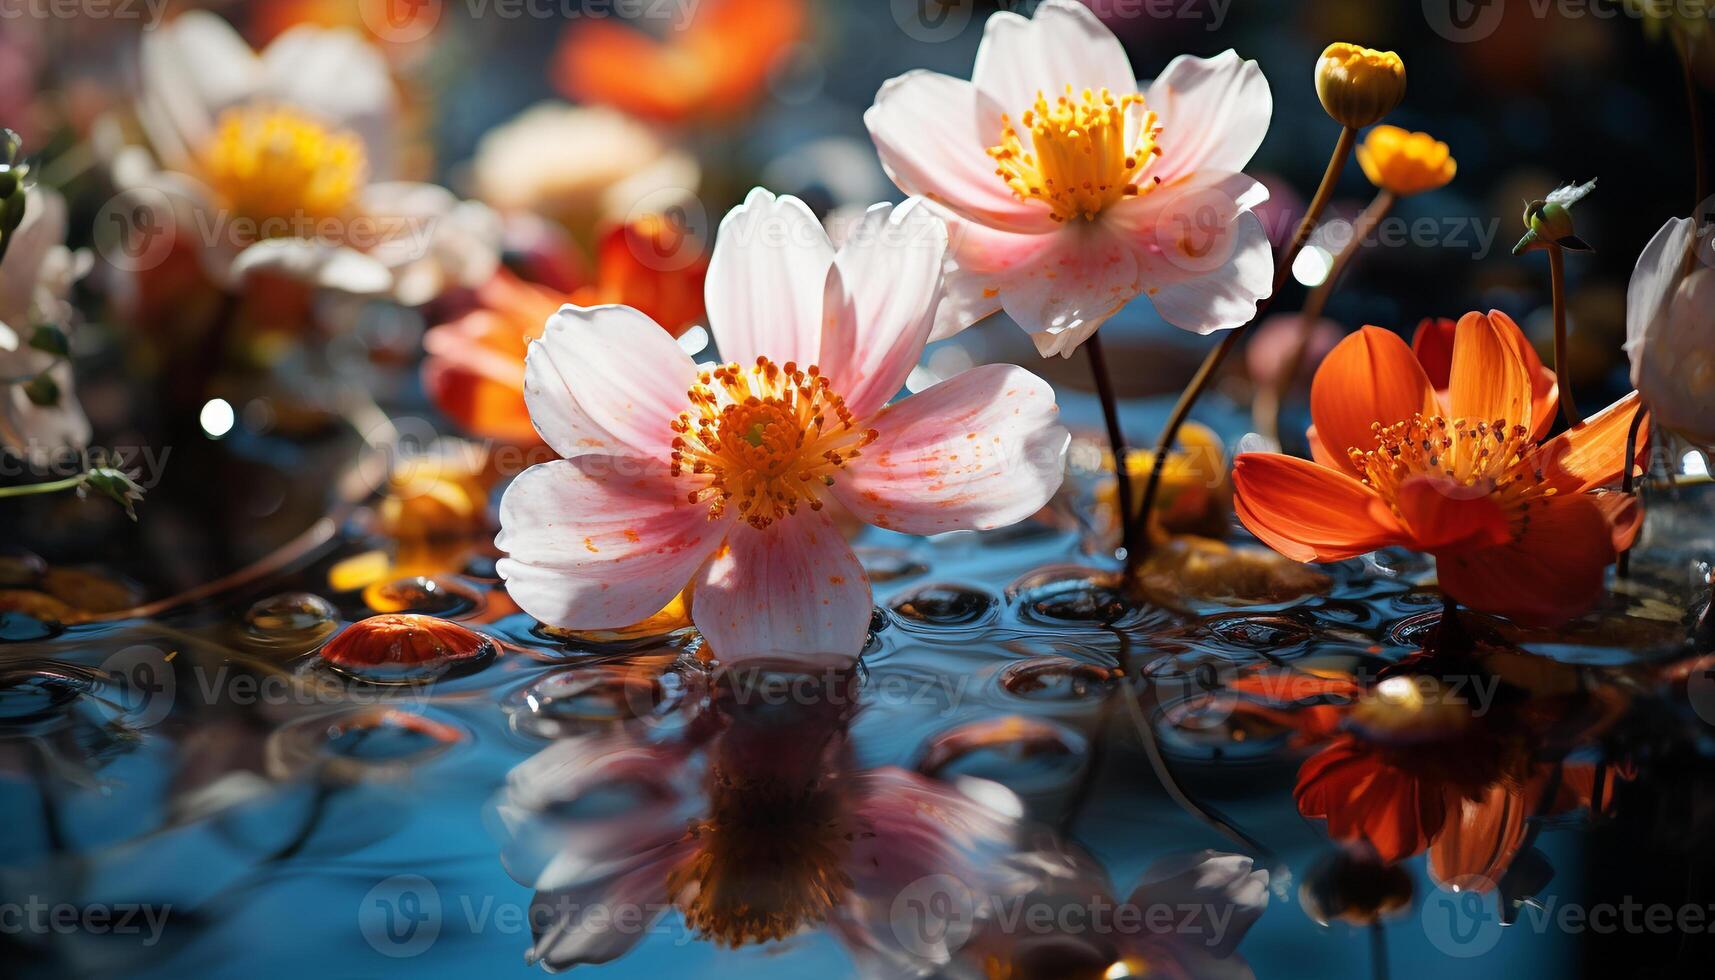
x: 766, y: 280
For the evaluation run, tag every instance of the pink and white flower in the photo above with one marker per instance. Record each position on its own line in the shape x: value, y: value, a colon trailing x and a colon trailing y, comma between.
x: 720, y: 476
x: 1069, y: 190
x: 283, y: 161
x: 1670, y: 330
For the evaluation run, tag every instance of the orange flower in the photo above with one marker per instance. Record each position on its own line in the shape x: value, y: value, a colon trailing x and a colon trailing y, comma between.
x: 1441, y: 455
x: 475, y: 369
x: 713, y: 66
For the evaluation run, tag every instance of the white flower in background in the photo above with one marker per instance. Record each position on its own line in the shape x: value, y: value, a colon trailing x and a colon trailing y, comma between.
x: 1670, y: 331
x: 282, y: 160
x: 546, y: 160
x: 36, y: 276
x: 1069, y: 191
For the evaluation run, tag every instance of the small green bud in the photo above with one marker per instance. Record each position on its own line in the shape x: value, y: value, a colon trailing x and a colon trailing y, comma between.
x: 42, y: 390
x: 116, y: 485
x: 51, y: 340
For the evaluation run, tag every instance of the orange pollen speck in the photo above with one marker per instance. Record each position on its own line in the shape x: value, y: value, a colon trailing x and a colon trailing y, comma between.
x: 765, y: 439
x: 1083, y: 154
x: 1492, y: 457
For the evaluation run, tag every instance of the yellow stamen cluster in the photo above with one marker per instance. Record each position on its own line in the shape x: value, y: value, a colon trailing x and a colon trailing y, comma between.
x: 765, y: 439
x: 275, y: 164
x: 1081, y: 159
x: 1493, y: 458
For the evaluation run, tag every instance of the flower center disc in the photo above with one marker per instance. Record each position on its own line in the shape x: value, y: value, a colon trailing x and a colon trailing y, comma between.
x: 1483, y: 455
x: 1083, y: 155
x: 765, y: 439
x: 277, y: 166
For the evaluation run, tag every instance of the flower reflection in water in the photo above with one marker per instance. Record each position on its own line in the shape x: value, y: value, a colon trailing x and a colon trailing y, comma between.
x: 1459, y: 757
x: 755, y: 822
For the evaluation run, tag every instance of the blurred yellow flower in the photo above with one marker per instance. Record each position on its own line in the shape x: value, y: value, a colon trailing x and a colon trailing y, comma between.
x: 1359, y: 85
x: 1405, y: 163
x: 1196, y: 495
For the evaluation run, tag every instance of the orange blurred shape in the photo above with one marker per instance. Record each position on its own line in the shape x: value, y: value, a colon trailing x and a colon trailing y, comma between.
x: 474, y: 372
x: 712, y: 67
x: 391, y: 21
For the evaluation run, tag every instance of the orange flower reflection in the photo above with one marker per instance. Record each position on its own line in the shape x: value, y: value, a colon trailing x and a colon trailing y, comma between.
x: 712, y: 67
x: 475, y: 369
x: 1453, y: 760
x: 1440, y: 452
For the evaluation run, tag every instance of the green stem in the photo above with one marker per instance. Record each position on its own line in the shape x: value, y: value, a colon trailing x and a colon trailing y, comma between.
x: 1562, y: 366
x: 1623, y: 566
x: 54, y: 486
x: 1212, y: 363
x: 1266, y: 411
x: 1697, y: 150
x: 1129, y: 522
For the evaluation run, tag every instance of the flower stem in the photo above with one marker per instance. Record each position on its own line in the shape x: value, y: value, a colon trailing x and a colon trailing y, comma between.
x: 1696, y: 129
x: 1266, y: 411
x: 1623, y: 566
x: 53, y: 486
x: 1212, y: 363
x: 1562, y: 368
x: 1129, y: 520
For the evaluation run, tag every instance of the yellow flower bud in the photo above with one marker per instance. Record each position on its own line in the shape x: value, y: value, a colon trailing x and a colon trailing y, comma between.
x: 1358, y: 85
x: 1405, y: 163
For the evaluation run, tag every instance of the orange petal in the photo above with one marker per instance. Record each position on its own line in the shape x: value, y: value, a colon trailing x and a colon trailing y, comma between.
x: 1367, y: 378
x: 475, y: 375
x: 1433, y: 345
x: 1592, y: 453
x: 1481, y: 836
x: 1552, y: 571
x: 1488, y: 379
x: 1305, y: 511
x: 1364, y: 798
x: 652, y: 264
x: 1441, y: 513
x: 1544, y: 389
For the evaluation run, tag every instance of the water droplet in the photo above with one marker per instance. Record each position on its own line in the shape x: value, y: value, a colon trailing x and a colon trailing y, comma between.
x: 421, y: 594
x: 403, y: 648
x: 1008, y: 740
x: 375, y: 743
x: 576, y: 700
x: 945, y: 605
x: 290, y: 615
x: 1057, y: 678
x: 1259, y: 631
x: 889, y: 564
x: 32, y: 690
x: 20, y: 627
x: 1071, y: 594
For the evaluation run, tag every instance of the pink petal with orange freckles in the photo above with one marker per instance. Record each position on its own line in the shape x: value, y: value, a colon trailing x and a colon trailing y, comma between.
x: 765, y: 281
x: 606, y: 380
x: 600, y: 542
x: 793, y: 588
x: 1071, y: 288
x: 932, y: 133
x: 980, y: 262
x: 880, y: 302
x: 1064, y: 44
x: 1204, y: 259
x: 979, y: 450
